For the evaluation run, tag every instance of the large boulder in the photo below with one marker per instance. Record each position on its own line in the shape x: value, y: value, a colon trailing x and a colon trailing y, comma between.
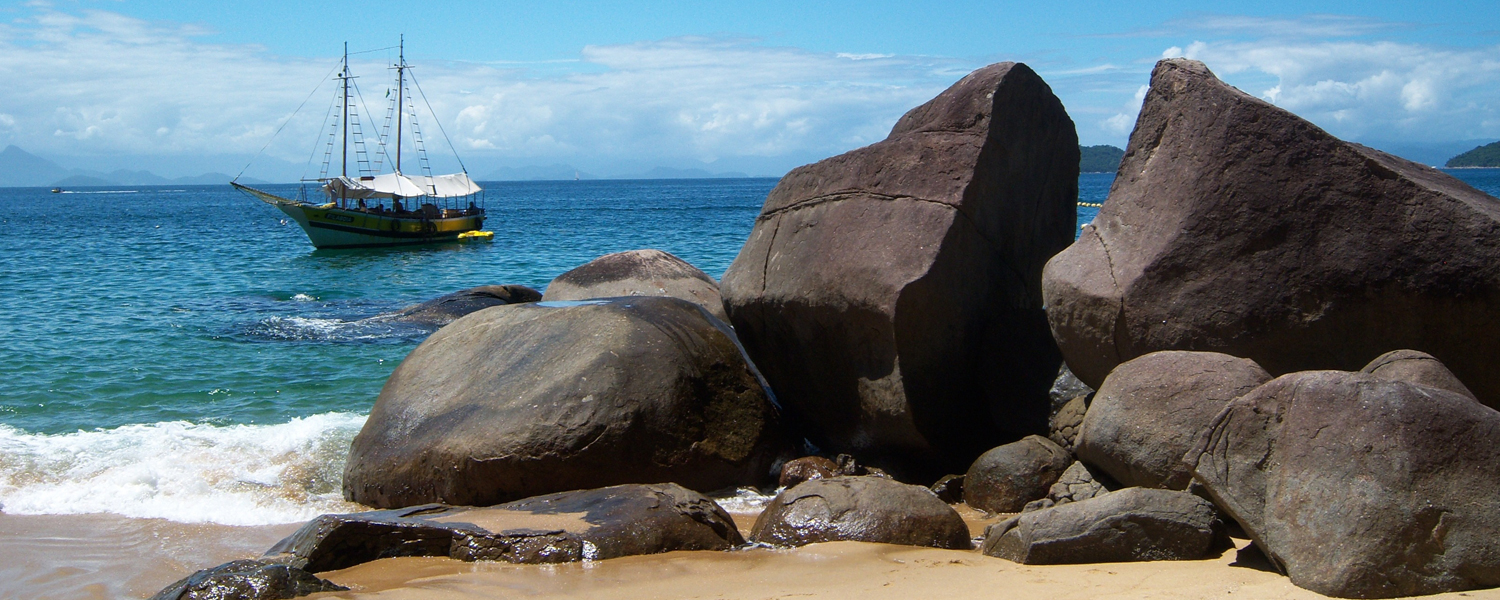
x: 638, y: 273
x: 861, y: 509
x: 1361, y: 487
x: 1004, y: 479
x: 1151, y: 410
x: 1234, y: 226
x: 1418, y: 368
x: 247, y: 580
x: 610, y: 522
x: 1133, y: 524
x: 447, y: 308
x: 892, y: 294
x: 531, y: 399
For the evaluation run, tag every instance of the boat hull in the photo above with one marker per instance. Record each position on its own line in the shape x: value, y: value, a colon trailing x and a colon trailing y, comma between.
x: 331, y: 227
x: 335, y: 228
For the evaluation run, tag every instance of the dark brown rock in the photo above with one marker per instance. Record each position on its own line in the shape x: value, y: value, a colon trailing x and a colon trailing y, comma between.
x: 892, y: 294
x: 596, y: 524
x: 531, y: 399
x: 1361, y: 487
x: 247, y: 580
x: 861, y: 509
x: 445, y: 309
x: 1075, y: 484
x: 1234, y: 226
x: 805, y: 468
x: 1151, y: 410
x: 1133, y: 524
x: 638, y: 273
x: 949, y: 488
x: 1419, y: 368
x: 1004, y: 479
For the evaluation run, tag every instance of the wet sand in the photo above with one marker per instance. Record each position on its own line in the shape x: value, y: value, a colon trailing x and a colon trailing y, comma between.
x: 106, y: 556
x: 102, y: 556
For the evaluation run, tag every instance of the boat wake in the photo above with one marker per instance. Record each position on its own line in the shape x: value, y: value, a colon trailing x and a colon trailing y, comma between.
x: 180, y: 471
x: 304, y: 317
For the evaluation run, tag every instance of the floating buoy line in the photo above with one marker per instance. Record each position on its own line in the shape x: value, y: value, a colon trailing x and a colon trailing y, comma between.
x: 1092, y: 204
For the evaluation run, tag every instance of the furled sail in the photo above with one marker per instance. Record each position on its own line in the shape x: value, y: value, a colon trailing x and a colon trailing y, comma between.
x: 395, y: 185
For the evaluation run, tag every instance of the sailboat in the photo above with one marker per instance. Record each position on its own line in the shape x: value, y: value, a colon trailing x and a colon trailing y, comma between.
x: 372, y: 209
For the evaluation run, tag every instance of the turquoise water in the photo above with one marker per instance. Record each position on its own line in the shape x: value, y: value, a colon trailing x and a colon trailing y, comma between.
x: 197, y: 303
x: 183, y: 353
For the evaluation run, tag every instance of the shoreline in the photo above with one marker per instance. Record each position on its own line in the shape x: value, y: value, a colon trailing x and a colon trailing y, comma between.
x: 107, y: 556
x: 111, y: 556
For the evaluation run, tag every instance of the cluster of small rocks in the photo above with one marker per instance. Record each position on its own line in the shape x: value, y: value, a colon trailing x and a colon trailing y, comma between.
x: 1266, y: 330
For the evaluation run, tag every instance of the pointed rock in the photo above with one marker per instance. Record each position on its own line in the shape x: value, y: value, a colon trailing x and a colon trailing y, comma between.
x: 892, y: 295
x: 1234, y: 226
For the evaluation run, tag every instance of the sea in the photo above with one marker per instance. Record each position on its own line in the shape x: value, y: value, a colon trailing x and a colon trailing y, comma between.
x: 182, y: 353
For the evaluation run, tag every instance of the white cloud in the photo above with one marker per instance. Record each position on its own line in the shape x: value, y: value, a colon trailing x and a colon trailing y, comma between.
x: 102, y: 83
x: 1122, y: 122
x: 1369, y: 90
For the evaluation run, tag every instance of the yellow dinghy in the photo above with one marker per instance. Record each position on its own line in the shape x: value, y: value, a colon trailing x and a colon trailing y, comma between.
x: 476, y: 236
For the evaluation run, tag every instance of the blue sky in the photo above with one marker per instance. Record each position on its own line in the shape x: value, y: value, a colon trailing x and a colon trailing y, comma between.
x: 185, y: 87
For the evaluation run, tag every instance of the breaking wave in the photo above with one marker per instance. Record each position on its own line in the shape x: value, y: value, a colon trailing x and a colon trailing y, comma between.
x: 184, y: 472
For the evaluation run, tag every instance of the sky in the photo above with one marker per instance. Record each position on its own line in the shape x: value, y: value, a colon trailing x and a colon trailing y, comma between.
x: 185, y: 87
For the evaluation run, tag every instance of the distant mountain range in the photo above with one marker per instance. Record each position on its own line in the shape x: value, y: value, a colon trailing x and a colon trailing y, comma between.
x: 19, y: 168
x: 1487, y: 155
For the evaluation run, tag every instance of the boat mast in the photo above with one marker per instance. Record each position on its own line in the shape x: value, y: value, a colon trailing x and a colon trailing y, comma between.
x: 400, y: 85
x: 344, y: 125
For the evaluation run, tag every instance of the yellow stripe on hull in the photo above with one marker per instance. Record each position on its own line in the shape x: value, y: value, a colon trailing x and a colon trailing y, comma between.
x: 329, y: 227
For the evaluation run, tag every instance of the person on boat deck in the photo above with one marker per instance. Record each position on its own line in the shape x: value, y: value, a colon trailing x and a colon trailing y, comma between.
x: 396, y: 205
x: 472, y: 208
x: 362, y: 204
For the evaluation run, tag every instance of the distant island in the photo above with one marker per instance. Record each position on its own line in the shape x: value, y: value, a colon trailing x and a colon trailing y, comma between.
x: 19, y: 168
x: 1099, y: 159
x: 1487, y: 155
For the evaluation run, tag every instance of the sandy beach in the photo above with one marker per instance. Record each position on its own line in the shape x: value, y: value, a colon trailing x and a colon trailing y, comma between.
x: 830, y: 570
x: 102, y: 556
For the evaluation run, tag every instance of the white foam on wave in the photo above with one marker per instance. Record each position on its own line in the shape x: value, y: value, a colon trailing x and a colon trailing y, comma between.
x: 180, y: 471
x: 324, y: 330
x: 743, y: 500
x: 303, y: 298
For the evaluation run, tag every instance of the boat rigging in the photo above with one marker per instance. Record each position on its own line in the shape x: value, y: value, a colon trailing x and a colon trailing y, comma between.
x: 424, y: 208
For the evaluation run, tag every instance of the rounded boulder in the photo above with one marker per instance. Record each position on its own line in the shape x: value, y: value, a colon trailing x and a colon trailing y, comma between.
x: 1151, y: 410
x: 639, y: 273
x: 537, y: 398
x: 861, y: 509
x: 1004, y: 479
